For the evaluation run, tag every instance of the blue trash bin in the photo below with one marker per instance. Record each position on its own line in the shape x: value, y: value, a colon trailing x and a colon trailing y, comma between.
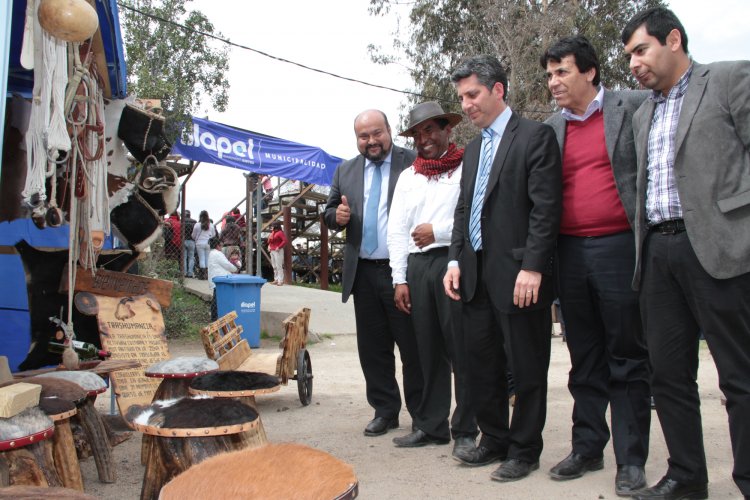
x: 241, y: 293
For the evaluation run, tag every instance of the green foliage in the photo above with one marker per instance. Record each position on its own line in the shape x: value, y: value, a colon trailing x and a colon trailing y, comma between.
x: 186, y: 315
x: 441, y: 33
x: 166, y: 62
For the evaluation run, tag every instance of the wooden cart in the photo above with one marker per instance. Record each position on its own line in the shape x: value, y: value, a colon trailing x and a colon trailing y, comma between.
x: 222, y: 342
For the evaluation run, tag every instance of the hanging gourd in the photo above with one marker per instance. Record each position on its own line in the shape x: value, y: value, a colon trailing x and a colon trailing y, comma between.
x: 69, y: 20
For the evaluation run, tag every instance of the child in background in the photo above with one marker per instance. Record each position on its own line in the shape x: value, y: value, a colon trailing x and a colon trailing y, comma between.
x: 234, y: 258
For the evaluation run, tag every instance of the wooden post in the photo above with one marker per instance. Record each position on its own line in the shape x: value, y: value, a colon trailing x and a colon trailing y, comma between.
x: 323, y: 254
x: 288, y: 248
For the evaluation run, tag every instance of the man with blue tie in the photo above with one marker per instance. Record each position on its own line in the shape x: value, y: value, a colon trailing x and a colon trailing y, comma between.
x: 504, y: 234
x: 359, y: 202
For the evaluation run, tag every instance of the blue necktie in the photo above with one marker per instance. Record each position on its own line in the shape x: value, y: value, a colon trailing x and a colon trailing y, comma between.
x: 485, y: 165
x: 370, y: 231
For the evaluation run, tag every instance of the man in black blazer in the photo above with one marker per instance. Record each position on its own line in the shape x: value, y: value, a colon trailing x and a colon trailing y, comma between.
x: 692, y: 230
x: 595, y: 261
x: 501, y: 252
x: 359, y: 202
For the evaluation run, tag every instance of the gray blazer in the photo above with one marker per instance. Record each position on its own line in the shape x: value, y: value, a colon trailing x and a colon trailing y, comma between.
x: 712, y: 168
x: 349, y: 181
x: 618, y: 109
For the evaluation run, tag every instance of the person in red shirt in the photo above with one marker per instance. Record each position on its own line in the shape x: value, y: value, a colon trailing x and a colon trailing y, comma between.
x: 173, y: 236
x: 276, y: 243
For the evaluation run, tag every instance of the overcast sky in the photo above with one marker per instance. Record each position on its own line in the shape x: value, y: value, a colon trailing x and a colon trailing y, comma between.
x: 282, y: 100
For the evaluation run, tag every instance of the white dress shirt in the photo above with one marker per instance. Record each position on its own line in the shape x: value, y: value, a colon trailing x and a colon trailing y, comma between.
x: 385, y: 170
x: 419, y: 200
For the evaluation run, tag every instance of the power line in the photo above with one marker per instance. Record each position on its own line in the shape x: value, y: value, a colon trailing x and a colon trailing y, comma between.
x: 303, y: 66
x: 270, y: 56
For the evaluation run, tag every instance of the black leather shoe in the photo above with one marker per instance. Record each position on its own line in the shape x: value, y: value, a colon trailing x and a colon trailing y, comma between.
x: 380, y: 425
x: 477, y: 457
x: 669, y: 489
x: 463, y: 445
x: 574, y: 466
x: 418, y: 438
x: 513, y: 470
x: 629, y: 479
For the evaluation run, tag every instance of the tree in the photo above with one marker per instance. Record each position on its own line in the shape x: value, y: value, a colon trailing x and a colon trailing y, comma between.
x: 168, y: 62
x: 441, y: 33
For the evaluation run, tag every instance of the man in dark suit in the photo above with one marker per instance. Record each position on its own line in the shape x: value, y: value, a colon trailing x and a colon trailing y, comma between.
x: 359, y: 202
x: 504, y: 233
x: 596, y: 255
x: 692, y: 228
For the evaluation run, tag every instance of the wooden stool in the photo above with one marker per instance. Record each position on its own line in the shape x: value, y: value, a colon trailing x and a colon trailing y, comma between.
x: 24, y: 460
x: 91, y: 421
x: 234, y: 384
x: 187, y: 431
x: 176, y: 374
x: 273, y: 471
x: 63, y: 447
x: 37, y: 492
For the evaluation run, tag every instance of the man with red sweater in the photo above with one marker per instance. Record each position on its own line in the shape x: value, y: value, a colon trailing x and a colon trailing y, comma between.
x: 596, y: 258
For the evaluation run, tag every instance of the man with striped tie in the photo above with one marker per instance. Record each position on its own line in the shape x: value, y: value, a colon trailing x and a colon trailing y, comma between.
x: 504, y: 233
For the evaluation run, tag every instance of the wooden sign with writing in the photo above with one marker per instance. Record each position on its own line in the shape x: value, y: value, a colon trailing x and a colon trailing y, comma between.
x: 116, y: 284
x: 131, y: 328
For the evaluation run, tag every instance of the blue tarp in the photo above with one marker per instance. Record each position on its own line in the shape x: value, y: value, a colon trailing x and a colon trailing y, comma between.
x: 212, y: 142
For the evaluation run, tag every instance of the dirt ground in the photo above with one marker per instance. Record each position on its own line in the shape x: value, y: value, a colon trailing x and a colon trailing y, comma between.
x: 336, y: 418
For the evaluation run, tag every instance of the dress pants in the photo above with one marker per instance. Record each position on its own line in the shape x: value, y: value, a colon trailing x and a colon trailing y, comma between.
x: 437, y: 327
x: 527, y: 333
x: 679, y: 299
x: 379, y: 326
x: 609, y: 360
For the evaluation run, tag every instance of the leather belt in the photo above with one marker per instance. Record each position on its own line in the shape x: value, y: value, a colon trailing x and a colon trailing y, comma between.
x: 669, y: 227
x: 377, y: 262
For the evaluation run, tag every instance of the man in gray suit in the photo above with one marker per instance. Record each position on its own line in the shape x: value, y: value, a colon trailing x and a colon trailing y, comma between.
x: 692, y: 226
x: 596, y: 256
x: 359, y: 202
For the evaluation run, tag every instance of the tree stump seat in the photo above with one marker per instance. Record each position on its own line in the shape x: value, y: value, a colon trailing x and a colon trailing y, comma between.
x: 24, y: 458
x: 91, y: 421
x: 176, y: 374
x: 187, y: 431
x: 63, y: 447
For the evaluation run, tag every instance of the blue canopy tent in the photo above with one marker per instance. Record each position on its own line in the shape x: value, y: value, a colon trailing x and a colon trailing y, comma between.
x: 14, y: 314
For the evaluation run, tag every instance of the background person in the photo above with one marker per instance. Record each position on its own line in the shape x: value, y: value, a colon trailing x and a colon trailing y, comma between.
x: 188, y: 245
x: 218, y: 265
x: 276, y: 243
x: 202, y: 232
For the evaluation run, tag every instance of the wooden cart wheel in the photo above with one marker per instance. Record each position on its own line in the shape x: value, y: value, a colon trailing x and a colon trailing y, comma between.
x: 304, y: 377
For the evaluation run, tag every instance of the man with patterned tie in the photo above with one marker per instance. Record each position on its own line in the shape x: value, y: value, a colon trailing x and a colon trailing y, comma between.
x: 359, y: 202
x: 504, y: 233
